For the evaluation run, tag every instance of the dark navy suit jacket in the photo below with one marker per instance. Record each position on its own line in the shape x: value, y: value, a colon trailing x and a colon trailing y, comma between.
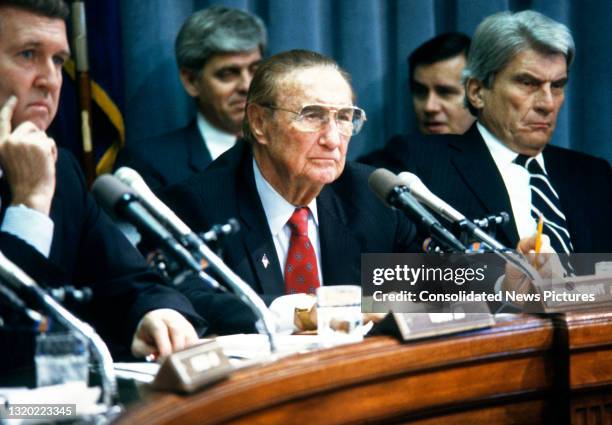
x: 167, y: 159
x: 351, y: 221
x: 461, y: 171
x: 88, y: 250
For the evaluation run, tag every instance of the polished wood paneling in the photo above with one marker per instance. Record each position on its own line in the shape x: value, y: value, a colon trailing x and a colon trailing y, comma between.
x: 505, y: 370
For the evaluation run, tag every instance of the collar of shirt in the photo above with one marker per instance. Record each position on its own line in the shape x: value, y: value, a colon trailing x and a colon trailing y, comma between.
x: 217, y: 141
x: 516, y: 180
x: 277, y: 209
x: 502, y: 154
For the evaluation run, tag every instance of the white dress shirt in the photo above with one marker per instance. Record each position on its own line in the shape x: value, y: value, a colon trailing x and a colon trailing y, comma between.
x: 217, y: 141
x: 278, y: 211
x: 516, y: 179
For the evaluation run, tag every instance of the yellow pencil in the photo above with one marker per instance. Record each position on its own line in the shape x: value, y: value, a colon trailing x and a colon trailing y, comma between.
x: 538, y: 241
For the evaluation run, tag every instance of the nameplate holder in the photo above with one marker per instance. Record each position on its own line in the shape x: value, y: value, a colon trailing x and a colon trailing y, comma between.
x: 413, y: 326
x: 193, y: 368
x: 576, y: 293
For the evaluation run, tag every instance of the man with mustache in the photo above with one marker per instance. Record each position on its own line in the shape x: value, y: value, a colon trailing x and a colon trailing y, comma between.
x: 217, y: 51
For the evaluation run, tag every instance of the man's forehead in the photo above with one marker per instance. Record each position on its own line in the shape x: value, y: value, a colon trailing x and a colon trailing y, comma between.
x: 321, y: 84
x: 26, y: 27
x: 445, y: 68
x: 545, y: 66
x: 235, y: 59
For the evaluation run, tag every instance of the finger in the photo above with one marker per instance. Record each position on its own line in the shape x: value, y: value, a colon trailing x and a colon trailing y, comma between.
x: 27, y: 128
x: 141, y: 349
x: 182, y: 336
x: 177, y: 339
x: 162, y: 340
x: 525, y: 245
x: 6, y: 115
x: 53, y: 149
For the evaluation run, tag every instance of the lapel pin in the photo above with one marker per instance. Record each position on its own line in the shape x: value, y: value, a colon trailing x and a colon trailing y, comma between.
x: 265, y: 261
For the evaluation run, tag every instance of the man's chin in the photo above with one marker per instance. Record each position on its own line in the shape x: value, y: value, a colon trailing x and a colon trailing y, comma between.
x: 41, y: 121
x: 535, y: 144
x: 325, y: 175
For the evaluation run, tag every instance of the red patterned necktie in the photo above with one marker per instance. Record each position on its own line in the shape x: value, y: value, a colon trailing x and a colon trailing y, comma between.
x: 301, y: 271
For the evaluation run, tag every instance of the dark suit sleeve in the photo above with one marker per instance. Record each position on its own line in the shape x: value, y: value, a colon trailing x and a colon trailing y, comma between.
x: 89, y: 250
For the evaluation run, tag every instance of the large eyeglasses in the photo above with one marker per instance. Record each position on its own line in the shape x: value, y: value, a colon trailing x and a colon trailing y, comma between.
x: 315, y: 117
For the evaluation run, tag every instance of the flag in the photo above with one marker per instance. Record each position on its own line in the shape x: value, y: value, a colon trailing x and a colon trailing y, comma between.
x: 105, y: 75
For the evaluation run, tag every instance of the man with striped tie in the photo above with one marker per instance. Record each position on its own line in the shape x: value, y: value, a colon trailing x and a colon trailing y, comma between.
x: 515, y: 85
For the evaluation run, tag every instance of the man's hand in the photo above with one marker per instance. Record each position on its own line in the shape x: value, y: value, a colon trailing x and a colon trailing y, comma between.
x: 162, y: 332
x: 27, y: 158
x: 546, y: 263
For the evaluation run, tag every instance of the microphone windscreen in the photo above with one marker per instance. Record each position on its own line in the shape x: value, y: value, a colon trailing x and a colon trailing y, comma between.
x: 409, y: 179
x: 382, y: 182
x: 109, y: 192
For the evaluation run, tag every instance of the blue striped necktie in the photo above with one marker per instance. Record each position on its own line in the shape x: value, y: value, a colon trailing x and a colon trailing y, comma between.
x: 545, y: 202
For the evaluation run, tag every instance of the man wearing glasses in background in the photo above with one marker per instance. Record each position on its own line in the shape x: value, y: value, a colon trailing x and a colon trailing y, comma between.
x: 306, y: 214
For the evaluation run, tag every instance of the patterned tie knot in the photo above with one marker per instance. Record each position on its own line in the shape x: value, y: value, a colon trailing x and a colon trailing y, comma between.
x: 298, y: 222
x: 532, y: 166
x: 521, y: 159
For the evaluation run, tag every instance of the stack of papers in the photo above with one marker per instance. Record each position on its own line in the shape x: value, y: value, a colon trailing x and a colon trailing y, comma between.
x: 242, y: 350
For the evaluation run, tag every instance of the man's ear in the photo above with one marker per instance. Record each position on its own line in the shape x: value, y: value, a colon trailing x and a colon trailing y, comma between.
x: 190, y: 82
x: 475, y: 93
x: 257, y: 116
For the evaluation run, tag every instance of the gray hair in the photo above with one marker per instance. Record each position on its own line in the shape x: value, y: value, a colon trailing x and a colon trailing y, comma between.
x: 503, y: 35
x: 55, y: 9
x: 270, y: 75
x: 217, y: 29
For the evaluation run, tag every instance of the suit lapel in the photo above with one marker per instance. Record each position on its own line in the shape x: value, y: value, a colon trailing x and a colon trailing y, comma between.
x: 340, y: 248
x: 557, y: 170
x: 476, y: 166
x: 198, y: 154
x: 256, y: 234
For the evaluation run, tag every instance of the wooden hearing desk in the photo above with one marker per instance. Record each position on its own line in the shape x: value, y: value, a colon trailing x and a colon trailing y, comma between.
x: 524, y: 370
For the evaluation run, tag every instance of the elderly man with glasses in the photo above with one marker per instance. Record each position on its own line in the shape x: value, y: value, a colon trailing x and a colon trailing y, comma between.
x: 306, y: 213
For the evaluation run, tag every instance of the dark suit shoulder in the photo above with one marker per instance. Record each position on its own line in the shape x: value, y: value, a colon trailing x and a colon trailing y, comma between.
x: 368, y: 214
x: 558, y: 153
x: 403, y: 150
x: 167, y: 158
x: 208, y: 196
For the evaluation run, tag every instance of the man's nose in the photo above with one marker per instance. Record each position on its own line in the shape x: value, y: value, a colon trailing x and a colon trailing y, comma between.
x: 49, y: 75
x: 432, y: 103
x: 246, y: 76
x: 330, y: 133
x: 544, y: 99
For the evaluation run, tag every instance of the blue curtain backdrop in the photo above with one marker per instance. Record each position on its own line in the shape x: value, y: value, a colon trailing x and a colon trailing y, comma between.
x: 371, y: 39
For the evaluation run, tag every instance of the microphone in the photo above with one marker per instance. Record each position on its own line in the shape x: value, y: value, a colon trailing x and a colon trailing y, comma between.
x: 120, y: 202
x: 390, y: 189
x: 190, y: 239
x: 219, y: 231
x: 27, y: 288
x: 424, y: 195
x: 10, y: 301
x: 165, y: 215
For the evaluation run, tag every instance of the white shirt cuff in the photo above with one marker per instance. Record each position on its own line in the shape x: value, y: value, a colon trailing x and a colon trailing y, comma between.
x: 30, y: 225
